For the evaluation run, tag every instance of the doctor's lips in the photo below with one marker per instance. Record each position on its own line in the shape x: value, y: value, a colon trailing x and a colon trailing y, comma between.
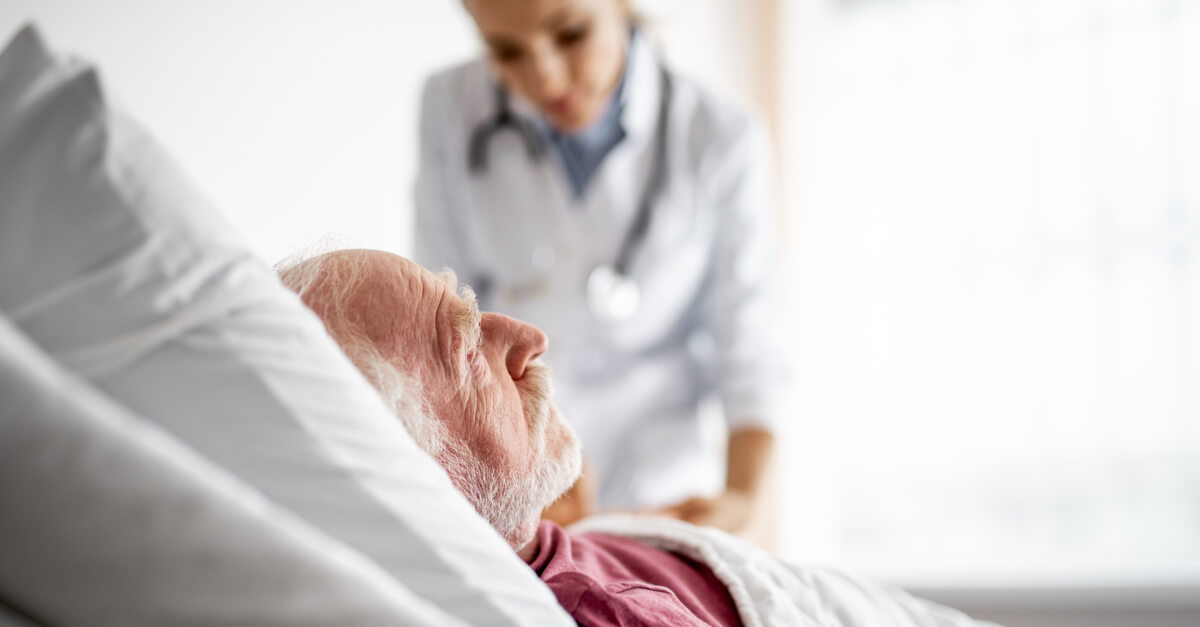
x: 562, y: 107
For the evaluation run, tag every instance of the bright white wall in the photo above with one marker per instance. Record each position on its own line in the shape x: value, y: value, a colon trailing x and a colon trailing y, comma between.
x: 299, y: 117
x: 992, y: 220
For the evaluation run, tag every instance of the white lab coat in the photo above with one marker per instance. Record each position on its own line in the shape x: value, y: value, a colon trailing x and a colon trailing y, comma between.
x: 704, y: 325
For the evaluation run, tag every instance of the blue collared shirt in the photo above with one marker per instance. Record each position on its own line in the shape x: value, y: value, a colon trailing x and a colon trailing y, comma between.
x: 583, y: 151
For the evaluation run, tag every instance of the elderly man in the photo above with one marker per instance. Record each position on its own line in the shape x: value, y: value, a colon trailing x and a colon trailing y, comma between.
x: 469, y: 388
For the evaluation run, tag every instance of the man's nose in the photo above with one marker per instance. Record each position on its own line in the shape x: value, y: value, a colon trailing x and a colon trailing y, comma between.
x: 522, y: 342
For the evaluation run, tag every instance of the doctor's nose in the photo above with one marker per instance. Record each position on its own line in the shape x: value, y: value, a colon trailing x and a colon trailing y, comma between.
x: 546, y: 75
x: 520, y: 342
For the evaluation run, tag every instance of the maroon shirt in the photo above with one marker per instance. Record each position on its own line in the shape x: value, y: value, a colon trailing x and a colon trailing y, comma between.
x: 608, y: 580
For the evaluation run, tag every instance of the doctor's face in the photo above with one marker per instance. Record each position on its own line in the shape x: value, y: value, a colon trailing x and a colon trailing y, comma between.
x: 564, y: 56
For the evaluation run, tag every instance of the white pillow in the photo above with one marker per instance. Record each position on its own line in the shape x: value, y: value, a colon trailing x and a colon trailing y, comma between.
x: 117, y: 268
x: 109, y: 521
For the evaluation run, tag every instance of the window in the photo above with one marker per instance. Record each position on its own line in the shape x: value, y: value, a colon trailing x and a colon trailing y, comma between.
x: 995, y: 233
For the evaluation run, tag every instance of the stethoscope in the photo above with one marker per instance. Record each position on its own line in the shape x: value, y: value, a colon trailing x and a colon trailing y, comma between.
x: 612, y: 293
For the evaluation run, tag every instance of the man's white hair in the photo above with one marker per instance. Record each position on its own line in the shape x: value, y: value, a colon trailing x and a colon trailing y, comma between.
x: 332, y: 282
x: 506, y: 502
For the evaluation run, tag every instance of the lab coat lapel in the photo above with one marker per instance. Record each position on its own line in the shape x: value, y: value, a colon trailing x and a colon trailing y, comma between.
x: 610, y: 202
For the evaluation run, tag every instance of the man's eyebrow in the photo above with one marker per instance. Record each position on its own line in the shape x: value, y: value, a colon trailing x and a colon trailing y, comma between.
x: 467, y: 318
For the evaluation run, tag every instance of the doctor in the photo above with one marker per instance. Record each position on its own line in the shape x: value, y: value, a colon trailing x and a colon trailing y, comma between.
x: 578, y: 183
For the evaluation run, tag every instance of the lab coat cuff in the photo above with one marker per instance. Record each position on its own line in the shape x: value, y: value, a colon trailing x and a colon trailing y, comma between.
x: 760, y: 415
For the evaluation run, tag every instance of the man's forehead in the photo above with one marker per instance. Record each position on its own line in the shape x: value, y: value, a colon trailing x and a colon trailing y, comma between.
x: 431, y: 291
x: 402, y: 277
x: 385, y: 286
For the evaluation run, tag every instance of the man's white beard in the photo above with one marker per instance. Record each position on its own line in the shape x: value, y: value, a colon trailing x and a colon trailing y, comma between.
x: 513, y: 502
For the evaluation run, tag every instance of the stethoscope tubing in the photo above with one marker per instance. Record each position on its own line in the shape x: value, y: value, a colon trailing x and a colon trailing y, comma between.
x: 656, y: 182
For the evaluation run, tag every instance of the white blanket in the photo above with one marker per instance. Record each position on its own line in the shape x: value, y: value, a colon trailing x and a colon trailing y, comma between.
x: 768, y: 591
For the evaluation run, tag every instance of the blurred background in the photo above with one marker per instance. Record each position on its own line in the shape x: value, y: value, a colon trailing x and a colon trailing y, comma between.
x: 989, y: 219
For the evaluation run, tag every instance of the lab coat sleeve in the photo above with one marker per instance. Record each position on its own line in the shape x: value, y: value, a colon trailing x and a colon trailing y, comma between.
x: 440, y: 235
x: 739, y: 309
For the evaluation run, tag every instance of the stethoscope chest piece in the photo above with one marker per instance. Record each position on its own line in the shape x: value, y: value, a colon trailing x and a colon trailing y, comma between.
x: 611, y: 295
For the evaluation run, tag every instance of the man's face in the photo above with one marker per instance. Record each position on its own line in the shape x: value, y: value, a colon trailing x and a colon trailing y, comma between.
x: 480, y: 380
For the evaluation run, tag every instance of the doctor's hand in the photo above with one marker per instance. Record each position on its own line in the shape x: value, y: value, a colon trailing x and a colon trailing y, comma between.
x: 577, y: 503
x: 730, y: 510
x: 734, y: 510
